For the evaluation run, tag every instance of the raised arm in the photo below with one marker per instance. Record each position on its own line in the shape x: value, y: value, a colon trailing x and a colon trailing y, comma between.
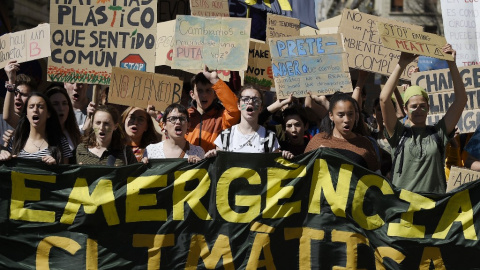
x: 357, y: 91
x: 388, y: 111
x: 455, y: 110
x: 9, y: 114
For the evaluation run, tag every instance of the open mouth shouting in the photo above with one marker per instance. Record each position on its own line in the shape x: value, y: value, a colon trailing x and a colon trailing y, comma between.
x: 346, y: 128
x: 35, y: 119
x: 76, y: 97
x: 18, y: 105
x: 178, y: 130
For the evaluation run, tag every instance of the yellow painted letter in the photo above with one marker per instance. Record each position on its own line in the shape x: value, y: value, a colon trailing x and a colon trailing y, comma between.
x: 220, y: 250
x: 135, y: 200
x: 191, y: 197
x: 154, y: 243
x: 44, y: 247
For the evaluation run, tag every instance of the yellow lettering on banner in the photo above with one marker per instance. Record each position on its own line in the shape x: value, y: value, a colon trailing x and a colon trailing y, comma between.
x: 102, y: 196
x: 92, y: 254
x: 44, y: 247
x: 21, y: 193
x: 220, y: 250
x: 253, y: 202
x: 431, y: 254
x: 261, y: 243
x: 351, y: 240
x: 306, y: 235
x: 135, y: 200
x: 154, y: 243
x: 192, y: 198
x: 387, y: 252
x: 276, y: 191
x: 406, y: 228
x: 322, y: 181
x: 364, y: 183
x: 458, y: 209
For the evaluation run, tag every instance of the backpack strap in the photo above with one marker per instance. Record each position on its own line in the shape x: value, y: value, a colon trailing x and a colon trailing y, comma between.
x: 269, y: 140
x: 225, y: 139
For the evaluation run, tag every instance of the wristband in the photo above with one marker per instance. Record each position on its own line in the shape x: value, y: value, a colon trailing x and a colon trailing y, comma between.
x: 10, y: 87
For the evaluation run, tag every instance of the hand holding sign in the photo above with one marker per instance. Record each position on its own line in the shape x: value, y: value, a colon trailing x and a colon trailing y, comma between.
x: 211, y: 76
x: 11, y: 69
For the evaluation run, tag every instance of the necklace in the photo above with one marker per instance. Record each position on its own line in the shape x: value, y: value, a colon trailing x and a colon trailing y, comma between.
x: 37, y: 145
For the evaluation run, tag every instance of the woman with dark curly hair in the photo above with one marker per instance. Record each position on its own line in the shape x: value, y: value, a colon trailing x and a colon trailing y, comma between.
x: 104, y: 143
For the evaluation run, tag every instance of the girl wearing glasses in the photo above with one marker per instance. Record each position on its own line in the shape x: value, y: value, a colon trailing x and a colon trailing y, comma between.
x: 175, y: 125
x: 104, y: 142
x: 248, y: 136
x: 138, y: 126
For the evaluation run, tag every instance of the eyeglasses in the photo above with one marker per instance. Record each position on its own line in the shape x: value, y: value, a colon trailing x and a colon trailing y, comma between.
x: 17, y: 92
x: 173, y: 119
x: 246, y: 99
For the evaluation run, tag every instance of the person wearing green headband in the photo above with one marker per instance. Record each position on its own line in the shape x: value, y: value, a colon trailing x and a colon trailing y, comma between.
x: 418, y: 149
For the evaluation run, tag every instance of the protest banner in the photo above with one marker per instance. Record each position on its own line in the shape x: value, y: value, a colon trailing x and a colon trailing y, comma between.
x: 209, y: 8
x: 88, y: 38
x: 219, y: 43
x: 363, y: 45
x: 235, y: 211
x: 136, y: 88
x: 440, y: 80
x: 165, y: 42
x: 461, y: 176
x: 25, y: 45
x: 417, y: 42
x: 281, y: 26
x: 461, y: 23
x: 259, y: 71
x: 315, y: 64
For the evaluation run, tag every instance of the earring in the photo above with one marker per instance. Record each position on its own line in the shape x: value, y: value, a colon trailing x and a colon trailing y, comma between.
x: 331, y: 125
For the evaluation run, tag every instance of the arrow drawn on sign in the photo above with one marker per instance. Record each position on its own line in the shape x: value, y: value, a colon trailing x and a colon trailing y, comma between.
x: 438, y: 52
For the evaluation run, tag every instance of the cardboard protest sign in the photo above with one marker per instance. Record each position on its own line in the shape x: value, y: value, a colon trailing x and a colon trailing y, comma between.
x: 461, y: 176
x: 25, y: 45
x: 417, y: 42
x: 440, y: 80
x: 259, y: 71
x: 364, y: 47
x: 439, y: 86
x: 282, y: 26
x: 136, y: 88
x: 88, y: 38
x: 209, y: 8
x: 461, y: 24
x: 467, y: 123
x: 164, y: 44
x: 219, y: 43
x: 315, y: 64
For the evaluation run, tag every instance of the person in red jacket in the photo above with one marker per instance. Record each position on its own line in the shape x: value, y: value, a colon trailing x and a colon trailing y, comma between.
x: 207, y: 116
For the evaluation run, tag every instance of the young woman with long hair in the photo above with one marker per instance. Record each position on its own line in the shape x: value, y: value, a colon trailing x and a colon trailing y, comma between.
x: 104, y: 143
x: 343, y: 131
x: 38, y: 134
x: 137, y: 124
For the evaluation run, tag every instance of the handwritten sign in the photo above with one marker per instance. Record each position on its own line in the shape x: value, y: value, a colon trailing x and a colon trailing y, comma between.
x: 259, y: 71
x: 315, y: 64
x: 90, y: 37
x: 25, y: 45
x: 136, y: 88
x: 461, y: 176
x: 461, y: 26
x: 440, y: 80
x: 407, y: 40
x: 209, y: 8
x: 165, y: 42
x: 219, y: 43
x: 364, y: 46
x: 467, y: 123
x: 282, y: 26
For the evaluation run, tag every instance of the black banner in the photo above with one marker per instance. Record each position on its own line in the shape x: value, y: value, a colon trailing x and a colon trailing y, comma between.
x: 237, y: 211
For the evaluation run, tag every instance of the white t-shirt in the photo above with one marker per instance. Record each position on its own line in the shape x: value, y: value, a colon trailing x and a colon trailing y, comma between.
x: 156, y: 151
x: 252, y: 143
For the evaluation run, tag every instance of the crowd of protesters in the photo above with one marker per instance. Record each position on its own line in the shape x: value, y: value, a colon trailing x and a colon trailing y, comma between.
x: 63, y: 126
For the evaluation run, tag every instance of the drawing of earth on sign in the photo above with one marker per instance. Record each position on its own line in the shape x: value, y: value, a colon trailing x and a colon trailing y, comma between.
x: 135, y: 62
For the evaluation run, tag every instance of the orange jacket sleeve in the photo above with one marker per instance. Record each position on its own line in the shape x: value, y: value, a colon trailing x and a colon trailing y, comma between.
x: 231, y: 114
